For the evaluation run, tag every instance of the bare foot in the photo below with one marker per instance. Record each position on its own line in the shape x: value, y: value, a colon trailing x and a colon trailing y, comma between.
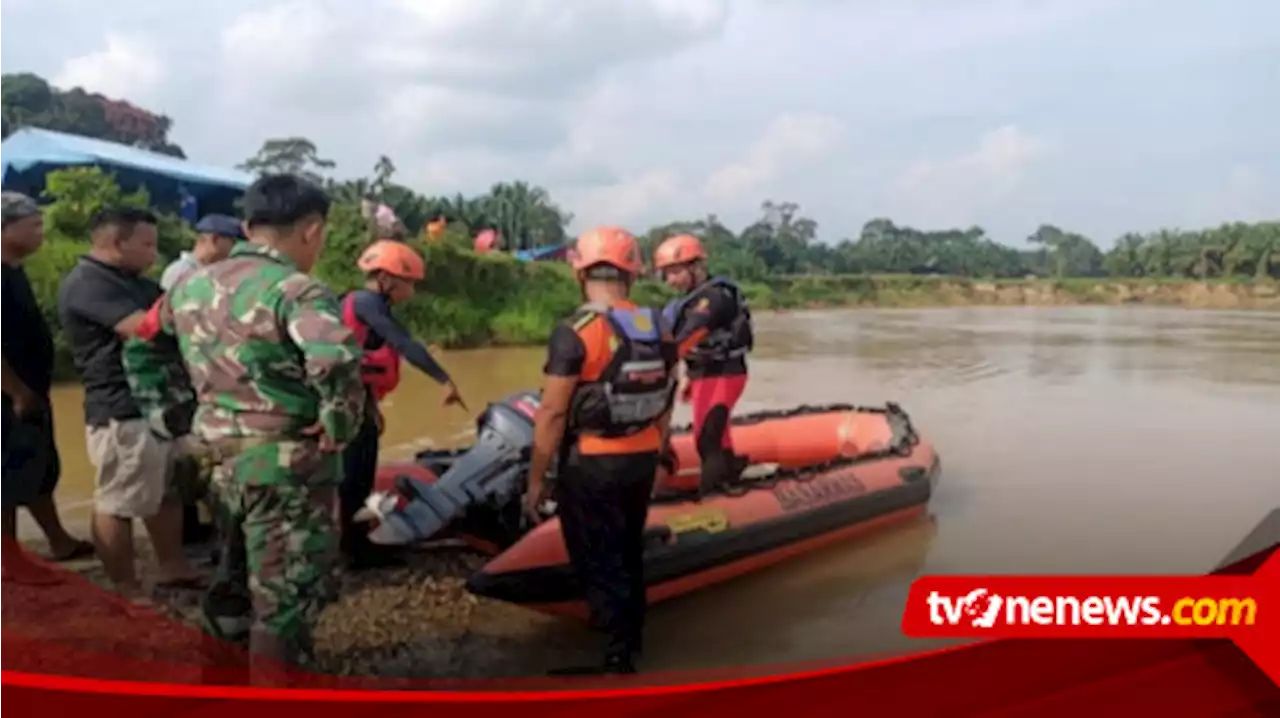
x: 181, y: 575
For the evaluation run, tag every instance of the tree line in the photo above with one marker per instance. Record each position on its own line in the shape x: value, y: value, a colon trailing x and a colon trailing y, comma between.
x: 781, y: 241
x: 30, y: 101
x: 785, y: 241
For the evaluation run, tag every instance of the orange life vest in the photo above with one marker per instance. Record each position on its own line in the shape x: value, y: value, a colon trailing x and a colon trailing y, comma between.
x: 380, y: 367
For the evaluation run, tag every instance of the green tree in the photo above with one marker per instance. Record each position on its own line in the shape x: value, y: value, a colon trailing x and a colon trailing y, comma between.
x: 1066, y: 254
x: 77, y: 194
x: 382, y: 171
x: 293, y: 155
x: 524, y: 216
x: 29, y: 101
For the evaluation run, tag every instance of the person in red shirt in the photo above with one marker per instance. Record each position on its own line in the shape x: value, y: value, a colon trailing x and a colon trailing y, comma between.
x: 712, y: 324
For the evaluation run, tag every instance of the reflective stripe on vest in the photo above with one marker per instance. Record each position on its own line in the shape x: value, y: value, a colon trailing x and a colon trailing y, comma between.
x: 721, y: 344
x: 635, y: 388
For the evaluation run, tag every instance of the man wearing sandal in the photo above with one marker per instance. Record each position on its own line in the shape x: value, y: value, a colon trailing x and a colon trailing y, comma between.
x: 32, y: 466
x: 101, y: 302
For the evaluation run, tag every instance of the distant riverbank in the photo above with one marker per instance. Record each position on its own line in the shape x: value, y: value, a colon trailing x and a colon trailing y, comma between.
x: 472, y: 301
x: 925, y: 291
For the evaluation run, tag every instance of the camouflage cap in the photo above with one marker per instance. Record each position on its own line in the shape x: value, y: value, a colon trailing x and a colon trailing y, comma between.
x: 18, y: 206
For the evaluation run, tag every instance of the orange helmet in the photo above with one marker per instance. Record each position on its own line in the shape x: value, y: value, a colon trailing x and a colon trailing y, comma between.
x: 608, y: 245
x: 680, y: 249
x: 395, y: 258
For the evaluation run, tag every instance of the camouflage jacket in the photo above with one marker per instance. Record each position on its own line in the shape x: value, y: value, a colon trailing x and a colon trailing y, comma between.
x: 266, y: 349
x: 159, y: 383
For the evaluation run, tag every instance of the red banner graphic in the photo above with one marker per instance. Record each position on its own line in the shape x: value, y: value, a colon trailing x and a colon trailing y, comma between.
x: 1032, y: 677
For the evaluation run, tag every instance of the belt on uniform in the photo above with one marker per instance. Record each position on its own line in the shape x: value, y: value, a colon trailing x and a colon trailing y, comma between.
x: 222, y: 449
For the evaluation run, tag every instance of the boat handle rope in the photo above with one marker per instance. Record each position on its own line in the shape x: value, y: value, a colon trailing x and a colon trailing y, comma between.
x: 904, y: 441
x: 803, y: 410
x: 804, y: 474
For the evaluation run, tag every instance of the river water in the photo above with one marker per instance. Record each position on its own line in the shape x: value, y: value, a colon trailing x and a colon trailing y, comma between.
x: 1112, y: 440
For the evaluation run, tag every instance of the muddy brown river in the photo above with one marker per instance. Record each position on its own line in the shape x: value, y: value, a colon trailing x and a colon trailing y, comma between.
x: 1115, y: 440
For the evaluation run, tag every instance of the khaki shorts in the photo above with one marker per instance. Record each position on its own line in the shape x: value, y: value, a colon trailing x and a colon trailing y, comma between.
x: 133, y: 468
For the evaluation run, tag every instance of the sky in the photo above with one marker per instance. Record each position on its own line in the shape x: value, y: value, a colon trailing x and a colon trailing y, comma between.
x: 1099, y: 116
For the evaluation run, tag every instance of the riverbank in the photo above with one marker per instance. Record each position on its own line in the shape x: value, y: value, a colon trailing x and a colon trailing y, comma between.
x: 1119, y: 383
x: 416, y: 621
x: 895, y: 291
x: 471, y: 301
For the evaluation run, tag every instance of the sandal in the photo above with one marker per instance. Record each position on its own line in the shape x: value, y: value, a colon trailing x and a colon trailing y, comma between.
x: 83, y: 549
x: 191, y: 583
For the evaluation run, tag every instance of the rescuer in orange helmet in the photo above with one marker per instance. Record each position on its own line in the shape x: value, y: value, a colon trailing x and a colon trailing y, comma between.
x: 712, y: 325
x: 390, y: 269
x: 608, y: 390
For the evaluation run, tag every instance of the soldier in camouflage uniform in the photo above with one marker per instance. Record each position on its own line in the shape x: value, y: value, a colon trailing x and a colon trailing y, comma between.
x: 160, y: 386
x: 277, y: 377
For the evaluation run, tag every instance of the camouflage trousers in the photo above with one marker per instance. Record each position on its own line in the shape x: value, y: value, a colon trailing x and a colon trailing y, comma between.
x: 274, y: 506
x: 191, y: 471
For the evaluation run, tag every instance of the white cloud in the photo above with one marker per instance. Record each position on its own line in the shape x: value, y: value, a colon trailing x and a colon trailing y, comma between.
x: 127, y: 67
x: 627, y: 202
x: 791, y: 141
x: 1247, y: 195
x: 954, y: 190
x: 447, y: 77
x: 641, y: 111
x: 536, y: 45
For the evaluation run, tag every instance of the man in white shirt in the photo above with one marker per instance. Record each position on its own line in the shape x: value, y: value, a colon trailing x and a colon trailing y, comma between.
x: 218, y: 233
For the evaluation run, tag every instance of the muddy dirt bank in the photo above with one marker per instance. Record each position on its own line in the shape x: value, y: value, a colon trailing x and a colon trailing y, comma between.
x: 416, y: 621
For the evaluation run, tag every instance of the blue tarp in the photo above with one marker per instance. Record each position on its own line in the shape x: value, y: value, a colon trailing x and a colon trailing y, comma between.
x: 30, y: 153
x: 540, y: 254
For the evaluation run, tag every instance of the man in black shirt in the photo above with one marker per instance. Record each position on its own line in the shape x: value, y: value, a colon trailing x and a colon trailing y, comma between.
x: 102, y: 301
x: 32, y: 466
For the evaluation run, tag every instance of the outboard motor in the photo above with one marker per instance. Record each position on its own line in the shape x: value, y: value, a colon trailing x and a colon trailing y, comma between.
x: 493, y: 469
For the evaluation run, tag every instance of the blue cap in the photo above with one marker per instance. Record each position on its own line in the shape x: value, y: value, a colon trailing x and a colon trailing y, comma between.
x: 220, y: 224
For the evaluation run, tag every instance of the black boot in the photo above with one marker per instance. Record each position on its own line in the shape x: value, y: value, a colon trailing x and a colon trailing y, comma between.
x: 361, y: 554
x: 620, y: 665
x: 722, y: 471
x: 612, y: 666
x: 371, y: 559
x: 272, y: 661
x: 194, y: 533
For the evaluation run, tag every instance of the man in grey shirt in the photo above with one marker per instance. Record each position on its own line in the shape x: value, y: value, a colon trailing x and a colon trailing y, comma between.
x: 218, y: 233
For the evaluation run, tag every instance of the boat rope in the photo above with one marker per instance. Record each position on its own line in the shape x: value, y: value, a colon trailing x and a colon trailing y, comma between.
x: 802, y: 410
x: 904, y: 441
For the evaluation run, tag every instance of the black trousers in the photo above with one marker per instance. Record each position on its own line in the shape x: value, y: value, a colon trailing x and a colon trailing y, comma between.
x: 359, y: 466
x: 603, y: 503
x: 32, y: 466
x: 192, y: 530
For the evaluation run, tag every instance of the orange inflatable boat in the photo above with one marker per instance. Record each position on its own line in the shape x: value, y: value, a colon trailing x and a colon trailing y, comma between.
x: 818, y: 474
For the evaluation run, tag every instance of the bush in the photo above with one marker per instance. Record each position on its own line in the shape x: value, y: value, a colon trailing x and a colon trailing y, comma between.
x: 468, y: 299
x: 77, y: 194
